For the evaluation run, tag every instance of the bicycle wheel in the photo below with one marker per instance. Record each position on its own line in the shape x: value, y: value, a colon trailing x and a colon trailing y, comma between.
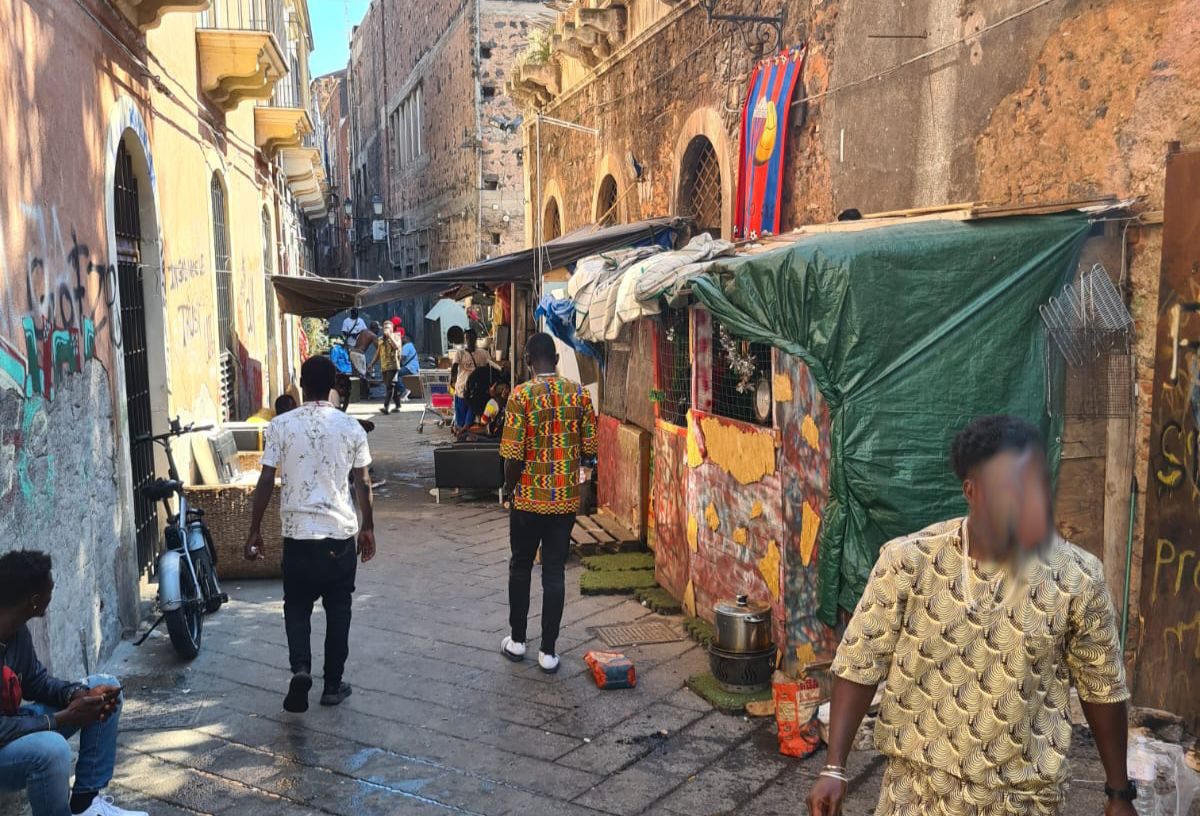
x: 185, y: 625
x: 205, y: 569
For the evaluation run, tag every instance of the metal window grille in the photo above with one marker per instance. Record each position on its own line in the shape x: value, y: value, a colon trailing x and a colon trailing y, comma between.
x: 269, y: 288
x: 224, y: 271
x: 674, y: 386
x: 134, y: 352
x: 606, y: 202
x: 739, y: 367
x: 700, y: 189
x: 552, y: 223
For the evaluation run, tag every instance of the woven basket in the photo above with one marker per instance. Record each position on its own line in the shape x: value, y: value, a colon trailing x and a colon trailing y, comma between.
x: 227, y: 510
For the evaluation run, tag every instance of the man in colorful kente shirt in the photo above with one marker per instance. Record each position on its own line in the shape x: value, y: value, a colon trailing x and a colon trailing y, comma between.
x: 549, y: 426
x: 979, y: 626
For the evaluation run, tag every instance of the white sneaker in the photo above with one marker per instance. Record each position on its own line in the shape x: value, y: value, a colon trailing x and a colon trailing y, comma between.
x: 512, y: 650
x: 549, y: 663
x: 103, y: 806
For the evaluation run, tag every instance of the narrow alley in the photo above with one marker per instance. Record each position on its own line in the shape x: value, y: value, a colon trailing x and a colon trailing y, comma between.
x: 439, y: 722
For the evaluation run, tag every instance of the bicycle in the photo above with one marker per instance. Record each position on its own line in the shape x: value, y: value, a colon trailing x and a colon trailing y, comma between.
x: 188, y: 588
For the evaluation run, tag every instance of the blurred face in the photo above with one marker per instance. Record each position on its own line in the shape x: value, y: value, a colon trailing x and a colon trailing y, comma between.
x: 39, y: 601
x: 1009, y: 495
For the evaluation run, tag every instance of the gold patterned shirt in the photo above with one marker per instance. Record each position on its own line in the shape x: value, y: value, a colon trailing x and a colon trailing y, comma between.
x: 549, y: 425
x: 977, y: 685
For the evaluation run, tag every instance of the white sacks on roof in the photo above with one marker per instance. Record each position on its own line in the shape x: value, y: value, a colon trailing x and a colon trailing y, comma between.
x: 615, y: 288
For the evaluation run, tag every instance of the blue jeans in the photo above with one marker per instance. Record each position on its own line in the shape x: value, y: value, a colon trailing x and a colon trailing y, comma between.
x: 463, y: 413
x: 41, y: 762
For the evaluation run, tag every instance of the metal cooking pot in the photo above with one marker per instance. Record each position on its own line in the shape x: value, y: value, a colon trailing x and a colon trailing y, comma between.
x: 743, y: 626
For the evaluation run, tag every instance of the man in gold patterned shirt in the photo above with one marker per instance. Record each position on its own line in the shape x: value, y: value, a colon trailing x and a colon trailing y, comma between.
x: 979, y: 626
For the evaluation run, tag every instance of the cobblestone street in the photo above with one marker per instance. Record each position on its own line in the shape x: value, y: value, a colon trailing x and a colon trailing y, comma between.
x: 439, y: 722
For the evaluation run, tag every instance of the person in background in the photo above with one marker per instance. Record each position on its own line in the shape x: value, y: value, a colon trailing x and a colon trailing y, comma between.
x: 979, y: 625
x: 489, y: 423
x: 463, y: 363
x: 407, y: 363
x: 34, y: 754
x: 362, y: 357
x: 314, y: 448
x: 352, y: 326
x: 389, y: 350
x: 284, y: 403
x: 549, y: 425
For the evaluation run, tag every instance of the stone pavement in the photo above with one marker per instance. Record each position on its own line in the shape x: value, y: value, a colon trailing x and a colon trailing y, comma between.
x: 439, y: 722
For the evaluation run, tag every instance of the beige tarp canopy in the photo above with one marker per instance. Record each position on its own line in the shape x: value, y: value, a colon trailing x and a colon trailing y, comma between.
x: 316, y: 297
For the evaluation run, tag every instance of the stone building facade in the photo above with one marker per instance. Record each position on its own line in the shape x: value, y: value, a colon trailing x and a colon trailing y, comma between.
x: 925, y: 103
x: 435, y: 137
x: 333, y: 253
x: 160, y: 175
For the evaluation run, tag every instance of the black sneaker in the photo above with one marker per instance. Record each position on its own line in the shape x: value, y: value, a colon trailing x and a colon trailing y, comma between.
x: 333, y: 697
x: 296, y: 700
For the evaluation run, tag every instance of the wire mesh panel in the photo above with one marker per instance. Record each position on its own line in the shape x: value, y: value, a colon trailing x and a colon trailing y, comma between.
x: 1089, y: 361
x: 741, y: 377
x: 700, y: 186
x: 134, y: 351
x: 674, y: 382
x: 606, y: 202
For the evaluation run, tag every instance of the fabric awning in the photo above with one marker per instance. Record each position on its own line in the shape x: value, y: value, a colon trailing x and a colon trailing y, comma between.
x: 520, y: 266
x: 316, y: 297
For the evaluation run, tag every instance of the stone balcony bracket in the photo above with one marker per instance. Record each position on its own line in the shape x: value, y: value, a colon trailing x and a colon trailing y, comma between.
x: 608, y: 23
x: 238, y: 64
x: 147, y: 14
x: 279, y: 128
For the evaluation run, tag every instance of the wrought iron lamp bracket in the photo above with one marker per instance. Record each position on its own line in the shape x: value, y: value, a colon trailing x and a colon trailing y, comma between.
x: 758, y: 31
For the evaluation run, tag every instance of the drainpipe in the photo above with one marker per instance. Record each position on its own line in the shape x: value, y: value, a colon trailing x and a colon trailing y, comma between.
x: 478, y: 136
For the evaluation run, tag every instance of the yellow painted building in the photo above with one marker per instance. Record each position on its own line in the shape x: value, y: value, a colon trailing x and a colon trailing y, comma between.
x: 156, y: 166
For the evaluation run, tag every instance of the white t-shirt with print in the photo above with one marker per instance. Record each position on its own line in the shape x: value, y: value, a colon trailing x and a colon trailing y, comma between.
x: 313, y: 448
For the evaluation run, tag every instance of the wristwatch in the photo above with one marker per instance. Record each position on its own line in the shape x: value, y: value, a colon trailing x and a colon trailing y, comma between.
x: 1128, y: 793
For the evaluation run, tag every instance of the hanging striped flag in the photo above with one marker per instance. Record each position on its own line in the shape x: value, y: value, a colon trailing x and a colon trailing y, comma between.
x: 764, y: 141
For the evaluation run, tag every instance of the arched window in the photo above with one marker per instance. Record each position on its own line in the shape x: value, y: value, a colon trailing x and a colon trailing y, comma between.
x: 268, y: 239
x: 700, y: 186
x: 552, y: 222
x: 226, y: 335
x: 606, y: 202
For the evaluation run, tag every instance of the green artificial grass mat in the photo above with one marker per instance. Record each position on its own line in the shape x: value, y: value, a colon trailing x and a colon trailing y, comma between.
x: 728, y: 702
x: 699, y: 630
x: 659, y: 600
x: 620, y: 561
x: 615, y: 582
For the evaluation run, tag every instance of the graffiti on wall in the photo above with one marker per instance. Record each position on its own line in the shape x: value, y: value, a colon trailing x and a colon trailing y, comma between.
x: 53, y: 384
x: 803, y: 418
x: 671, y: 561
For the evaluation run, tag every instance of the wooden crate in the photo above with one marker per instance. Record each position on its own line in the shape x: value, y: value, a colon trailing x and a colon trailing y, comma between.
x: 227, y: 510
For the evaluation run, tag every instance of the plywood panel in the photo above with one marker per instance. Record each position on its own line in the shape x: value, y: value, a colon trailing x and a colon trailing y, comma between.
x: 639, y: 376
x: 1079, y: 504
x: 669, y: 504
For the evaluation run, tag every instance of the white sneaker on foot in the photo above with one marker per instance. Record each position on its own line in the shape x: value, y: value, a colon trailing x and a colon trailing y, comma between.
x: 103, y: 806
x: 512, y: 650
x: 549, y: 663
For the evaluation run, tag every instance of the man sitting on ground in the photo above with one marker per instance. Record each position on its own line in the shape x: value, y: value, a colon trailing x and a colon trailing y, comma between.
x: 34, y: 754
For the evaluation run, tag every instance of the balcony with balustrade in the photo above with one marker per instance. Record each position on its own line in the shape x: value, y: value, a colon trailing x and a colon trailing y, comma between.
x: 241, y: 46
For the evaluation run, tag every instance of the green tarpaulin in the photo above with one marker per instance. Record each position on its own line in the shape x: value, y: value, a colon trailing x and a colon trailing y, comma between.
x: 910, y: 331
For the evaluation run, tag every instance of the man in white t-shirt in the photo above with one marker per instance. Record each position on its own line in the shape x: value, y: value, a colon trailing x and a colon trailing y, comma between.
x: 317, y: 451
x: 352, y: 326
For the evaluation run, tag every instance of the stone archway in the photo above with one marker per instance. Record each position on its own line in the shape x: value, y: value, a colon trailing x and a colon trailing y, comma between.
x: 610, y: 186
x: 705, y: 122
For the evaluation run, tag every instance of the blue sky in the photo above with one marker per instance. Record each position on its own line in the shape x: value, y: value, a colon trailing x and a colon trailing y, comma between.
x: 331, y: 33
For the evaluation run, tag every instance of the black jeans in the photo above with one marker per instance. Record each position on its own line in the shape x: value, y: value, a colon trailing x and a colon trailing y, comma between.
x: 312, y: 569
x: 526, y: 532
x: 391, y: 392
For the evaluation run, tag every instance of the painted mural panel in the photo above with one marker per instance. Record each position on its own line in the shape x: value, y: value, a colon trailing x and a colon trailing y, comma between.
x: 669, y: 509
x: 803, y: 418
x: 735, y: 519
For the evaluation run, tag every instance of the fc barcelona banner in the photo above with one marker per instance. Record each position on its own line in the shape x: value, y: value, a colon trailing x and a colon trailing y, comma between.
x: 764, y: 140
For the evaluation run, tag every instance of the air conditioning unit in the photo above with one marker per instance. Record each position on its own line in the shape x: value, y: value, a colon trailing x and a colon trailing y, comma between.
x: 379, y: 229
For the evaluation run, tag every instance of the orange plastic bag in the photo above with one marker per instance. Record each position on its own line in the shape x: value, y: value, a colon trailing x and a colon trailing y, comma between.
x: 796, y: 704
x: 612, y: 670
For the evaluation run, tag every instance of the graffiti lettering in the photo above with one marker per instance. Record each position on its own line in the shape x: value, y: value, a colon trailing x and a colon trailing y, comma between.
x: 1179, y: 630
x: 185, y: 271
x: 83, y: 288
x: 1168, y: 556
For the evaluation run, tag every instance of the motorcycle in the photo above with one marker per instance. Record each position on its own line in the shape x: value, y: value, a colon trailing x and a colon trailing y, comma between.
x: 188, y: 588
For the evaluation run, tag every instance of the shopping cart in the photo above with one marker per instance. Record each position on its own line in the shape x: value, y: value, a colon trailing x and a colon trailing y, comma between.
x: 435, y: 387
